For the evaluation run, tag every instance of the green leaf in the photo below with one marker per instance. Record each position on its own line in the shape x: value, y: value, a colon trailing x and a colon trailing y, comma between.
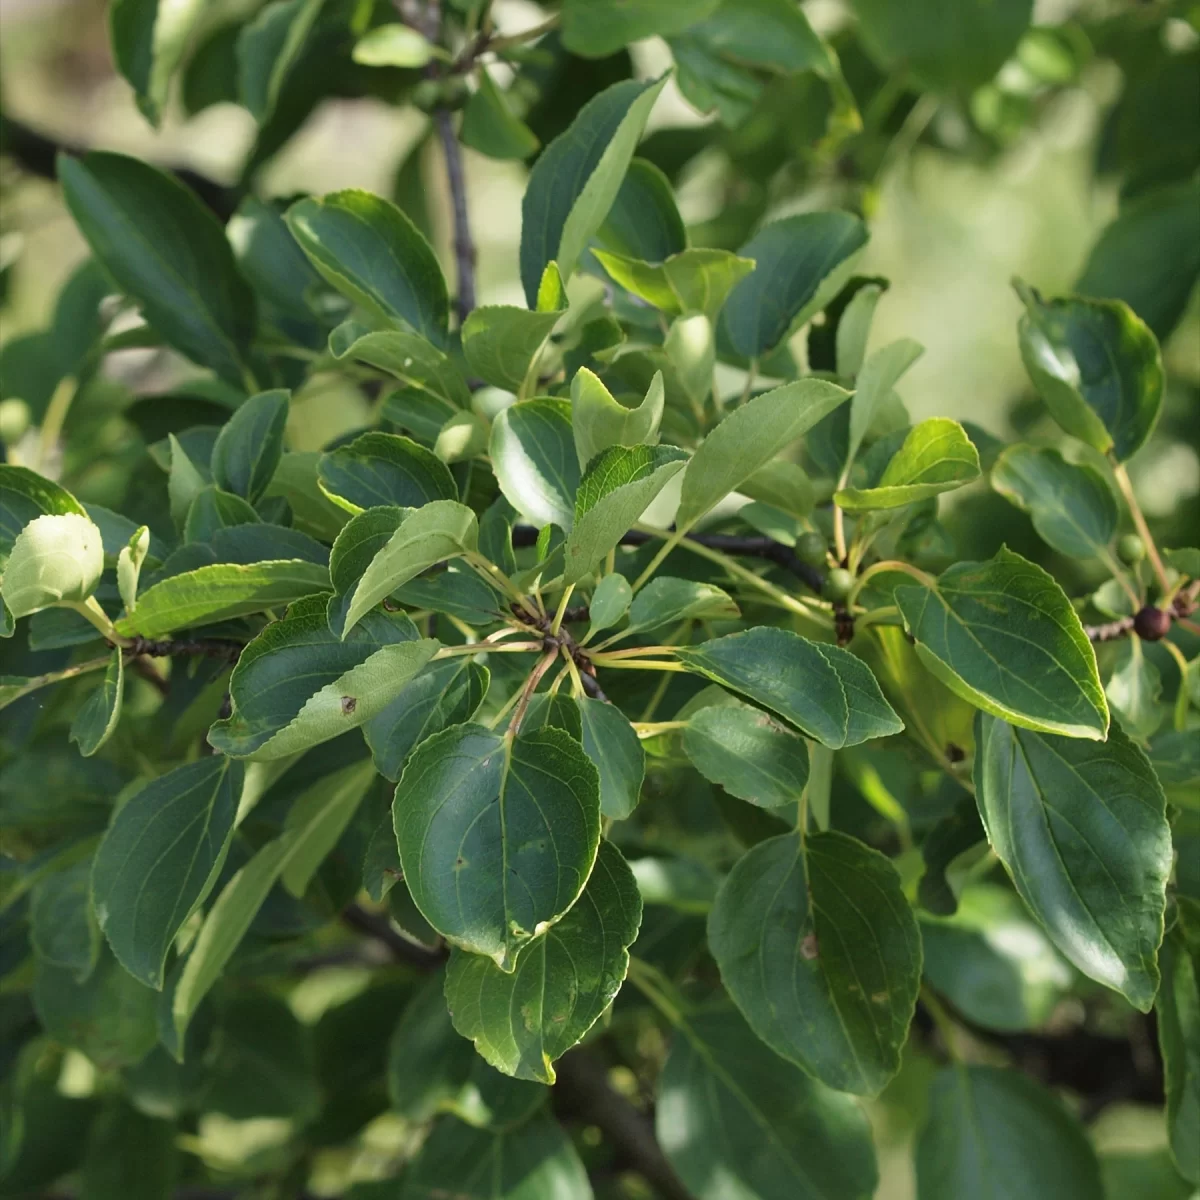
x: 644, y: 221
x: 992, y: 962
x: 825, y: 691
x: 802, y: 263
x: 412, y: 359
x: 521, y: 1021
x: 995, y: 1133
x: 267, y: 256
x: 612, y: 744
x: 575, y: 181
x: 312, y: 511
x: 501, y: 342
x: 737, y: 1120
x: 747, y: 753
x: 874, y: 382
x: 149, y: 39
x: 443, y: 694
x: 97, y: 718
x: 297, y: 684
x: 666, y: 600
x: 617, y: 487
x: 1134, y: 689
x: 490, y: 126
x: 1097, y: 367
x: 597, y: 28
x: 250, y: 445
x: 598, y: 421
x: 854, y: 327
x: 161, y: 857
x: 947, y: 48
x: 749, y: 438
x: 1179, y: 1039
x: 1072, y: 506
x: 110, y: 1172
x: 534, y: 1161
x: 1081, y: 827
x: 62, y: 930
x: 381, y: 469
x: 212, y: 510
x: 167, y: 253
x: 497, y: 836
x: 319, y: 816
x: 1003, y: 635
x: 821, y: 952
x: 400, y: 551
x: 367, y: 249
x: 936, y: 456
x: 393, y: 45
x: 610, y: 602
x: 533, y: 456
x: 185, y: 481
x: 267, y: 49
x: 54, y: 560
x: 697, y: 280
x: 219, y: 592
x: 24, y: 495
x: 129, y: 565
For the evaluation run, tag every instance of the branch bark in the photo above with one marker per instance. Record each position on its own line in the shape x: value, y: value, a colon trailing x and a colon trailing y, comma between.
x: 464, y: 244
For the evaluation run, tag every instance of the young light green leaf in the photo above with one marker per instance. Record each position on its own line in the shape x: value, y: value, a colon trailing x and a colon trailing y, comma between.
x: 1082, y: 829
x: 490, y: 126
x: 1134, y: 689
x: 502, y: 342
x: 97, y: 718
x: 691, y: 349
x: 936, y: 456
x: 297, y: 684
x: 825, y: 691
x: 54, y: 560
x: 167, y: 252
x: 149, y: 40
x: 666, y: 600
x: 1179, y: 1038
x: 612, y: 744
x: 384, y: 469
x: 412, y: 359
x: 854, y: 328
x: 802, y: 263
x: 429, y: 535
x: 443, y: 694
x: 747, y: 753
x: 367, y: 249
x: 576, y: 179
x: 736, y: 1119
x: 219, y: 592
x: 1072, y: 505
x: 618, y: 486
x: 392, y: 45
x: 874, y: 383
x: 267, y: 49
x: 533, y: 456
x: 610, y: 602
x: 250, y: 445
x: 599, y: 421
x: 497, y: 836
x: 129, y: 565
x: 24, y: 495
x: 993, y: 1132
x: 1003, y: 635
x: 521, y: 1021
x: 749, y: 438
x: 821, y: 952
x: 1097, y: 367
x: 161, y: 857
x: 696, y: 280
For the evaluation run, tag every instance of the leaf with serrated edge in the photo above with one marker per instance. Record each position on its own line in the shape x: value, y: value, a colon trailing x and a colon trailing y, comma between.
x: 384, y: 468
x: 1081, y: 827
x: 497, y: 836
x: 561, y: 984
x: 97, y: 719
x: 820, y: 950
x: 1003, y: 635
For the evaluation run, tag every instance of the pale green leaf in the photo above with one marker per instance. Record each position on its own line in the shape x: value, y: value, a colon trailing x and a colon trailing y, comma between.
x: 599, y: 421
x: 696, y: 280
x: 393, y: 45
x: 54, y: 560
x: 873, y: 384
x: 610, y: 602
x: 412, y: 359
x: 129, y: 565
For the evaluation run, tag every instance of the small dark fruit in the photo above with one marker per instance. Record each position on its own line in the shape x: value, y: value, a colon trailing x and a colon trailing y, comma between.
x: 1151, y: 623
x: 838, y: 585
x: 811, y: 549
x: 1131, y: 549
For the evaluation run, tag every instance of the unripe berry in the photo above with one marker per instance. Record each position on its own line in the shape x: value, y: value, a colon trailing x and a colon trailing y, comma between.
x: 838, y: 585
x: 1131, y: 549
x: 1151, y: 624
x: 811, y: 549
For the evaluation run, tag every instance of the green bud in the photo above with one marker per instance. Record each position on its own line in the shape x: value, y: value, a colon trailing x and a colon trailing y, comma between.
x: 811, y: 549
x: 838, y: 585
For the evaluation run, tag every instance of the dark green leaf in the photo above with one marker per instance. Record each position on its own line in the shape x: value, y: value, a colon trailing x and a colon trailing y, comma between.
x: 111, y: 1172
x: 822, y: 954
x: 268, y: 48
x: 497, y: 836
x: 251, y: 445
x: 149, y: 39
x: 612, y: 744
x: 24, y: 495
x: 267, y: 255
x: 1179, y: 1037
x: 212, y: 510
x: 666, y: 600
x: 167, y: 252
x: 490, y: 126
x: 384, y: 468
x: 533, y: 456
x: 826, y: 692
x: 409, y: 357
x: 1082, y: 829
x: 596, y: 28
x: 62, y: 930
x: 1003, y: 635
x: 97, y: 718
x: 644, y: 221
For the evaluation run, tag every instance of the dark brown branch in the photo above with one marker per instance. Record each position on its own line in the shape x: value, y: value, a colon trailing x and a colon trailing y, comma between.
x: 186, y: 647
x: 37, y: 153
x: 1110, y: 631
x: 376, y: 926
x: 464, y: 244
x: 1151, y: 624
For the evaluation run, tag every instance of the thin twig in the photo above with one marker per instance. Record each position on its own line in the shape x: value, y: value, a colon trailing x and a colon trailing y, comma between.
x: 377, y: 926
x: 464, y: 243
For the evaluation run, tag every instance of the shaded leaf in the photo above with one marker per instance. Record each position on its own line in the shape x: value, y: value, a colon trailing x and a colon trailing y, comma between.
x: 610, y: 741
x: 412, y: 359
x: 490, y: 126
x: 250, y: 445
x: 98, y: 716
x: 666, y: 600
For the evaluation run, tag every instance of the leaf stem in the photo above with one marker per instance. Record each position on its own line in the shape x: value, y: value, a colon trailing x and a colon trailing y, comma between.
x: 492, y: 573
x: 564, y: 600
x: 55, y: 418
x: 657, y: 989
x: 625, y: 664
x: 91, y: 610
x: 35, y: 682
x: 1139, y: 521
x: 647, y: 729
x: 488, y: 648
x: 890, y: 564
x: 672, y: 540
x: 535, y: 677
